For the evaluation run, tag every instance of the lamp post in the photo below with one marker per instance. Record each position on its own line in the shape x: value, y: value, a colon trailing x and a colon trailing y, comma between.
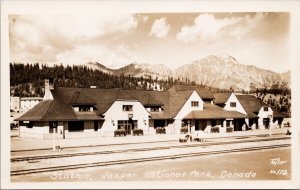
x: 270, y: 117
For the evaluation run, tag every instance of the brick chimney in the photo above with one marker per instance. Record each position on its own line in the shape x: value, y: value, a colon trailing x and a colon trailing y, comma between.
x: 48, y: 88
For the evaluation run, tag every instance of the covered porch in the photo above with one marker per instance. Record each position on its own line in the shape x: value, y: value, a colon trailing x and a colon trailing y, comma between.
x: 214, y: 119
x: 161, y: 119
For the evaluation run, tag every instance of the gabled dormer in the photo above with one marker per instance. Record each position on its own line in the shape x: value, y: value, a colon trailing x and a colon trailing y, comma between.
x: 152, y: 104
x: 82, y: 103
x: 233, y: 104
x: 265, y: 111
x: 220, y: 99
x: 189, y: 101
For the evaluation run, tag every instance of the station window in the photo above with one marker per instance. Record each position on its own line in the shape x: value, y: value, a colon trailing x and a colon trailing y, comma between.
x: 195, y: 103
x: 266, y: 108
x: 127, y: 108
x: 233, y: 104
x: 154, y: 109
x: 227, y: 123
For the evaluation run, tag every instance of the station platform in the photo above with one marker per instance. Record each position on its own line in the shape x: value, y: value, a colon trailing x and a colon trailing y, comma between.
x: 24, y: 144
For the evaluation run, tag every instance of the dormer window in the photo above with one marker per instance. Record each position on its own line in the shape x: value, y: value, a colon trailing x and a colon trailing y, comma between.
x: 233, y: 104
x: 154, y: 109
x: 83, y: 108
x: 127, y: 108
x: 194, y: 103
x: 82, y: 103
x: 207, y: 101
x: 266, y: 108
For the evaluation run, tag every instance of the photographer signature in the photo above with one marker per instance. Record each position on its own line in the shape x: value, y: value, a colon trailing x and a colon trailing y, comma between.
x: 277, y: 161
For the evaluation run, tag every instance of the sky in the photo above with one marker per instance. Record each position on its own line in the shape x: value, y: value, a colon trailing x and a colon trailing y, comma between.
x: 173, y: 39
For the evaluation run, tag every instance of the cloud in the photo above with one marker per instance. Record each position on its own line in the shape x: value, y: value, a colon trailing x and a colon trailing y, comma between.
x: 115, y: 57
x: 40, y: 38
x: 160, y: 28
x: 208, y: 28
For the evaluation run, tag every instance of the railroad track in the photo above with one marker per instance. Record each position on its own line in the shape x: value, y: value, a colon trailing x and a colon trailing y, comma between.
x: 33, y: 158
x: 90, y: 146
x: 128, y: 161
x: 103, y: 145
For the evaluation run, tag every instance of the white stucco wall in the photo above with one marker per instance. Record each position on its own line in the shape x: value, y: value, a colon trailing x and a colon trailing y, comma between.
x: 239, y: 107
x: 37, y: 131
x: 186, y: 109
x: 34, y: 129
x: 40, y: 130
x: 170, y: 129
x: 115, y: 113
x: 264, y: 114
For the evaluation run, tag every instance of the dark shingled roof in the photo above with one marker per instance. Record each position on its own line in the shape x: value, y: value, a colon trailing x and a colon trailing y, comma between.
x: 177, y: 101
x: 60, y: 111
x: 203, y: 92
x: 171, y: 102
x: 211, y: 111
x: 87, y: 116
x: 60, y: 108
x: 160, y: 115
x: 121, y: 95
x: 250, y: 103
x: 103, y: 98
x: 38, y: 112
x: 221, y: 98
x: 149, y: 100
x: 80, y: 99
x: 54, y: 110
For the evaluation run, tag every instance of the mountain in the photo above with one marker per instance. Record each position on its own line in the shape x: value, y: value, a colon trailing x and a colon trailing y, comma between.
x: 219, y: 71
x: 100, y: 67
x: 136, y: 70
x: 286, y: 77
x: 224, y: 71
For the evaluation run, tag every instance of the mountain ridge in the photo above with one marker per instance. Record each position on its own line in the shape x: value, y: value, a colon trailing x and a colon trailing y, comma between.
x: 220, y: 71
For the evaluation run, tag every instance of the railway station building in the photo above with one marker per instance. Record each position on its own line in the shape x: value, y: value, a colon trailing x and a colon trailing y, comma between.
x: 89, y: 112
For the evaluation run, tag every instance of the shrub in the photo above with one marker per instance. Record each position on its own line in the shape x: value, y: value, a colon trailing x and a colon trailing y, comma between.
x: 229, y: 129
x: 137, y: 132
x: 184, y: 130
x: 160, y: 130
x: 119, y: 132
x: 214, y: 130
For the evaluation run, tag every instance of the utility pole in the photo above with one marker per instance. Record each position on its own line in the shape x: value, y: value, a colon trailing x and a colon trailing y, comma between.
x: 53, y: 137
x: 270, y: 117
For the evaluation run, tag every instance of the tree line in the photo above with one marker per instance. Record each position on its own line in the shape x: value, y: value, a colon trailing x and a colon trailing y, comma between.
x: 27, y: 80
